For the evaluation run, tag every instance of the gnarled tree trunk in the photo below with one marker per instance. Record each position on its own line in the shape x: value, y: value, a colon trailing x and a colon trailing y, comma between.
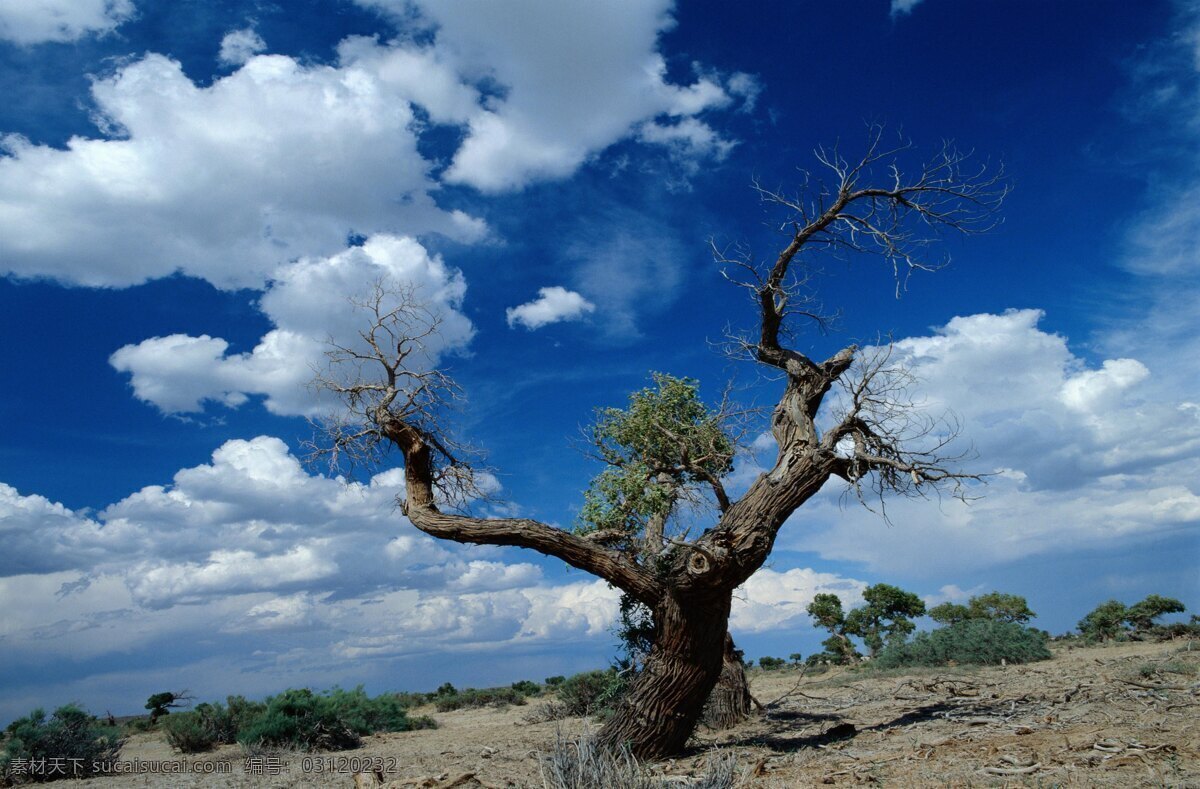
x: 729, y: 703
x: 660, y: 711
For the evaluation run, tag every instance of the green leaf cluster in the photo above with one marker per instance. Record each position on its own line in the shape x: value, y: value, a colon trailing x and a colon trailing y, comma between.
x: 977, y: 641
x: 71, y: 735
x: 996, y: 606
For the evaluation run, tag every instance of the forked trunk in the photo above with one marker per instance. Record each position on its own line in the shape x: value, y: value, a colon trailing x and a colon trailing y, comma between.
x: 660, y: 711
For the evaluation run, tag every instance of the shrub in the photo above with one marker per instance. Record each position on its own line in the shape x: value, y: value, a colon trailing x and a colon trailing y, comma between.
x: 556, y: 680
x: 479, y: 697
x: 592, y: 692
x: 973, y: 641
x: 580, y: 764
x: 771, y: 663
x: 527, y: 688
x: 332, y: 721
x: 70, y: 737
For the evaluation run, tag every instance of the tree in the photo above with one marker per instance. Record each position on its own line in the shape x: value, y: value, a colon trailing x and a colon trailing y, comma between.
x: 873, y: 437
x: 995, y: 606
x: 949, y: 613
x: 162, y: 703
x: 1000, y: 607
x: 1141, y: 616
x: 886, y: 616
x: 1105, y: 622
x: 826, y: 611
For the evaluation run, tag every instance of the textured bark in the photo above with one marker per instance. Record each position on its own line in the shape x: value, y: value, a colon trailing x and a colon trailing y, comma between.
x: 729, y: 702
x: 660, y: 711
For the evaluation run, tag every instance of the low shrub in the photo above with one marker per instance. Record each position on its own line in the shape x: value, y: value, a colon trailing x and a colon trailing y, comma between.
x: 973, y: 641
x: 556, y: 680
x: 334, y: 721
x: 527, y: 687
x: 771, y: 663
x: 68, y: 744
x: 579, y: 763
x: 592, y: 692
x: 479, y: 697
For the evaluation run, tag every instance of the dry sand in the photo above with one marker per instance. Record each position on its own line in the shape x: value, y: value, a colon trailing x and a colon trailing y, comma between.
x: 1126, y: 715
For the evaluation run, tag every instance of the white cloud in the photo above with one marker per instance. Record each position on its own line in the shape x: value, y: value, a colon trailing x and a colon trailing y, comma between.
x: 900, y: 7
x: 688, y: 138
x: 39, y: 21
x: 572, y: 79
x: 238, y: 46
x: 1088, y: 456
x: 771, y: 600
x: 226, y: 182
x: 309, y: 303
x: 553, y: 305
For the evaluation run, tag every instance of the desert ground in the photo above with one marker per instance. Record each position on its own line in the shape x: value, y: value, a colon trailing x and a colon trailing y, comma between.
x: 1126, y: 715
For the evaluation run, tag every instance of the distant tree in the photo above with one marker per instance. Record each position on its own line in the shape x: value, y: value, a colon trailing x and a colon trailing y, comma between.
x: 826, y: 610
x: 1000, y: 607
x: 887, y: 615
x: 771, y: 663
x: 796, y: 658
x: 1141, y: 616
x: 161, y: 704
x: 995, y: 606
x: 949, y: 613
x: 1105, y: 622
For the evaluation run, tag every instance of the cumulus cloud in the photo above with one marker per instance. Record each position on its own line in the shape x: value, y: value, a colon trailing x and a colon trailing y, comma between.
x: 309, y: 302
x: 39, y: 21
x: 771, y: 600
x: 226, y: 182
x: 553, y: 305
x: 571, y: 80
x: 238, y: 46
x: 902, y: 7
x: 1086, y: 455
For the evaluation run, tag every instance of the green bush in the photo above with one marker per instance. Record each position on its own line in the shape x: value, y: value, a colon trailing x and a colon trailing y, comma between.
x: 973, y: 641
x: 771, y: 663
x: 335, y: 720
x: 556, y: 680
x: 527, y: 687
x: 68, y: 744
x: 592, y: 692
x: 479, y: 697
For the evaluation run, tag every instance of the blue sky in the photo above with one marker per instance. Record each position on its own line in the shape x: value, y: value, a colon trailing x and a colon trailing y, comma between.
x: 191, y: 192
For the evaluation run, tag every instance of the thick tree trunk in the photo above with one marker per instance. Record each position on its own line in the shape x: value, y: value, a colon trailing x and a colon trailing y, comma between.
x: 660, y: 711
x: 729, y: 702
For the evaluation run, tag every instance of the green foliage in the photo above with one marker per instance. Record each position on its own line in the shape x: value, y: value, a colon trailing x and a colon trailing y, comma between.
x: 1000, y: 608
x: 555, y: 681
x: 1113, y: 620
x: 885, y: 617
x: 472, y: 698
x: 997, y: 606
x: 335, y: 720
x: 972, y: 641
x: 592, y: 692
x: 826, y: 611
x: 446, y: 689
x: 796, y: 658
x: 1105, y: 622
x: 527, y: 687
x: 70, y: 735
x: 161, y: 703
x: 1141, y: 615
x: 771, y: 663
x: 666, y: 440
x: 949, y: 613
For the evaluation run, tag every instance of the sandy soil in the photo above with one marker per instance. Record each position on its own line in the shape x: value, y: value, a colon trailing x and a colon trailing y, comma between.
x: 1127, y: 715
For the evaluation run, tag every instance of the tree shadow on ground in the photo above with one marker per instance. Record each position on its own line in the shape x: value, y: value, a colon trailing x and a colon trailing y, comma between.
x: 784, y: 727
